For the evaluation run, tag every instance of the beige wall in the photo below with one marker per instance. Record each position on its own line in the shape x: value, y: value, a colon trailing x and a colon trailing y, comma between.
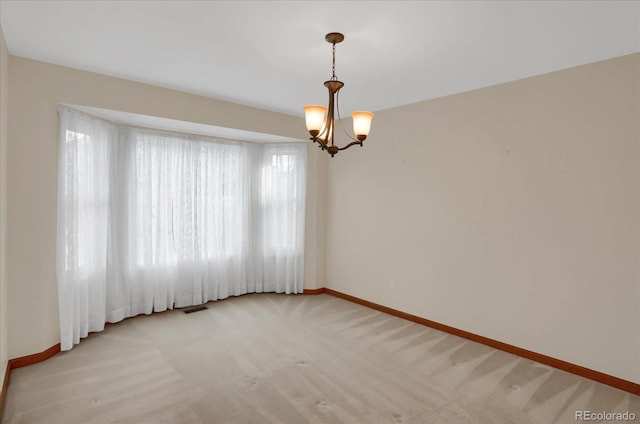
x: 316, y: 212
x: 36, y: 89
x: 4, y: 120
x: 512, y: 212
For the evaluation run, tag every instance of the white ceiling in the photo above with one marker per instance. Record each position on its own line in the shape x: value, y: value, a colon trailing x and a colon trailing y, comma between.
x: 272, y: 54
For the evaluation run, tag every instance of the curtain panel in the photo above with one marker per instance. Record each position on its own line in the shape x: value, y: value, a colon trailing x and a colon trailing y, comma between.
x: 150, y: 220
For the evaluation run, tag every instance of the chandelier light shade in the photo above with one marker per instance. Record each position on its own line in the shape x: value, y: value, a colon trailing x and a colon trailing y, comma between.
x: 314, y: 115
x: 321, y: 121
x: 361, y: 124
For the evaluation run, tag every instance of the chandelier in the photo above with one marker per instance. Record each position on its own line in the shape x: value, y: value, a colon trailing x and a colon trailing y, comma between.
x: 321, y: 126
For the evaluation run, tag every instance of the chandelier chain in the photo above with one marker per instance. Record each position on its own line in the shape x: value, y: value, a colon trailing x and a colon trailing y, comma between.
x: 333, y: 64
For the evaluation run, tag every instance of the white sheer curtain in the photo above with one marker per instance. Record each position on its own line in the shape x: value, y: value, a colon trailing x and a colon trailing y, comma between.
x: 148, y: 220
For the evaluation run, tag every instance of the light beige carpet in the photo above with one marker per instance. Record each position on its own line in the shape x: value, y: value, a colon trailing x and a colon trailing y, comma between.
x: 269, y: 358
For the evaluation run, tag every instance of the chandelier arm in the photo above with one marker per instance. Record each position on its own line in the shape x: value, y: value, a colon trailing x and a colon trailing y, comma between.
x: 334, y: 87
x: 323, y: 137
x: 332, y: 125
x: 340, y: 120
x: 321, y: 142
x: 327, y: 128
x: 323, y: 134
x: 351, y: 144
